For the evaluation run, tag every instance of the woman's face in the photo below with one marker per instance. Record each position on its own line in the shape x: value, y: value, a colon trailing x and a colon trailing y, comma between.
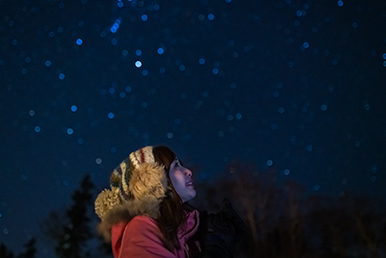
x: 182, y: 181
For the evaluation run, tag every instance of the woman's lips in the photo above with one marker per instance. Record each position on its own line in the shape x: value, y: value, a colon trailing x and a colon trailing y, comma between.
x: 190, y: 183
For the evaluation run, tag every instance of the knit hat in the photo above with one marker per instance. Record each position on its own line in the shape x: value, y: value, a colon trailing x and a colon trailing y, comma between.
x: 138, y: 183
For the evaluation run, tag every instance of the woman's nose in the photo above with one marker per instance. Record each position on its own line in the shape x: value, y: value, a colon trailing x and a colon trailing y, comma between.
x: 188, y: 172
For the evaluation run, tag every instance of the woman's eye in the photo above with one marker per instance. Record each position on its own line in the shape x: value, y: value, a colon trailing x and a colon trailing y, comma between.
x: 177, y: 164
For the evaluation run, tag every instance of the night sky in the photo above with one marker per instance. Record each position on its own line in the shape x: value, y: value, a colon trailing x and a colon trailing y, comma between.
x: 297, y: 86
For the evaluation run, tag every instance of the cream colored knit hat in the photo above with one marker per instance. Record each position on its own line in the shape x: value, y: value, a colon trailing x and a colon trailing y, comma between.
x: 138, y: 178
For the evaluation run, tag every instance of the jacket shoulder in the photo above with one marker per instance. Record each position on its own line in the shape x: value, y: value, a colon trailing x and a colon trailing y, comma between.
x: 142, y: 238
x: 142, y: 225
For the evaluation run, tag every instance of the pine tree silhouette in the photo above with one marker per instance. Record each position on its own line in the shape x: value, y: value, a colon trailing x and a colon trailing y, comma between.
x: 76, y: 232
x: 30, y: 249
x: 4, y: 252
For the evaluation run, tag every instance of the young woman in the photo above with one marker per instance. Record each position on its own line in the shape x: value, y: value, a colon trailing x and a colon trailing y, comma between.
x: 143, y: 214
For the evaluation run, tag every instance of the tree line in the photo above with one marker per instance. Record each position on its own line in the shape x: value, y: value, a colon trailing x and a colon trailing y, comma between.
x: 285, y: 221
x: 282, y: 219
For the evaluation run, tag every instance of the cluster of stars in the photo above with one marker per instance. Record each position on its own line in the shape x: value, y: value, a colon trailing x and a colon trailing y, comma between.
x: 280, y: 85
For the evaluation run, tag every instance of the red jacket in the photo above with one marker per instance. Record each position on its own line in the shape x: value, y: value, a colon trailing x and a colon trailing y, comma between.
x: 141, y: 237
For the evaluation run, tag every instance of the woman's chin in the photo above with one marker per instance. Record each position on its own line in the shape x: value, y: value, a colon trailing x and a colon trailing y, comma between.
x: 190, y: 196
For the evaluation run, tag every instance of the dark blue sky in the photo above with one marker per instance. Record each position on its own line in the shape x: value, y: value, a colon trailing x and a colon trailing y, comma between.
x: 294, y: 85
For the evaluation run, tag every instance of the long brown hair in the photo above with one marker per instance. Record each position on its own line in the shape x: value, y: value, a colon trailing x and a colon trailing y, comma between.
x: 172, y: 215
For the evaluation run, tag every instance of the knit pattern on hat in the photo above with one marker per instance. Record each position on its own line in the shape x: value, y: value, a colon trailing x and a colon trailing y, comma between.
x: 137, y: 180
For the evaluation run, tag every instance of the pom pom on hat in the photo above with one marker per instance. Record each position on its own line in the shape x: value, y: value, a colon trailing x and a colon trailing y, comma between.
x: 105, y: 201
